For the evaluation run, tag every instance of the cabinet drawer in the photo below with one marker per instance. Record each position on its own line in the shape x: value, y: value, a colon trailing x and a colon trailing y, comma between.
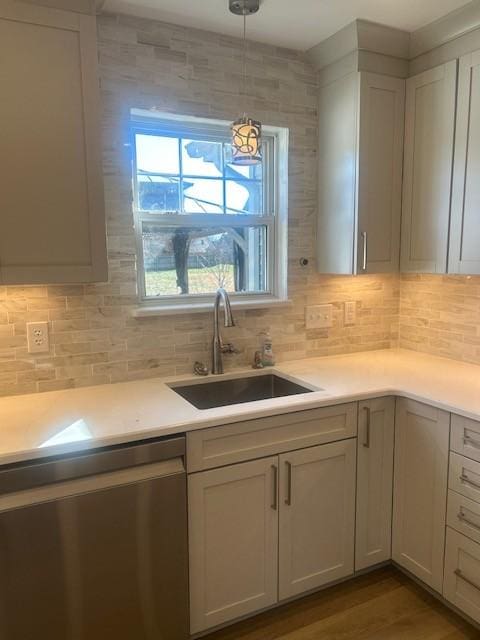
x: 464, y: 476
x: 463, y: 515
x: 219, y: 446
x: 461, y: 585
x: 466, y: 437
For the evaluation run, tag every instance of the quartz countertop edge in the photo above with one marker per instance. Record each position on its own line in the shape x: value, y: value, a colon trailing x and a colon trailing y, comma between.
x: 61, y: 422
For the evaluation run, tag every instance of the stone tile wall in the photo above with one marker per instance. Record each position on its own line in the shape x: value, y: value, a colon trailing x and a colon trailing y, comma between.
x: 441, y: 315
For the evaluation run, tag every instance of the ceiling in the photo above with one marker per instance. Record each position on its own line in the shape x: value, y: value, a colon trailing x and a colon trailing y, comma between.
x: 298, y: 24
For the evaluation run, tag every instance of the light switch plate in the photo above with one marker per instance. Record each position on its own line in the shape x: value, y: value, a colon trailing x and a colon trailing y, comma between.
x: 37, y: 337
x: 319, y: 316
x: 350, y: 313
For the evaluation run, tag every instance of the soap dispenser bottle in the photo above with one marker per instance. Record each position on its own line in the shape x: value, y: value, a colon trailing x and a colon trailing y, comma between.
x: 268, y: 357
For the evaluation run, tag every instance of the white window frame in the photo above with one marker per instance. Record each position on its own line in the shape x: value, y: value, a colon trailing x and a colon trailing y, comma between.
x: 275, y: 219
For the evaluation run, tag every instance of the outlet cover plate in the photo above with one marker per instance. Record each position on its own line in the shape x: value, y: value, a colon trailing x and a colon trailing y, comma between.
x: 319, y: 316
x: 37, y: 337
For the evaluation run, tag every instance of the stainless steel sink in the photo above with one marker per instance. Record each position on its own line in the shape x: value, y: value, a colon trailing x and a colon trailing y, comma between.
x: 220, y: 393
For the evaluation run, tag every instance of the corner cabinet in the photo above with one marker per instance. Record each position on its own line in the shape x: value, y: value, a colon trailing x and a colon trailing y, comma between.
x: 420, y: 490
x: 376, y: 426
x: 428, y: 163
x: 52, y: 227
x: 361, y: 130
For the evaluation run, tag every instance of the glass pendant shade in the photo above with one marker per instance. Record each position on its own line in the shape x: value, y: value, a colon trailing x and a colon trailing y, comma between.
x: 246, y: 141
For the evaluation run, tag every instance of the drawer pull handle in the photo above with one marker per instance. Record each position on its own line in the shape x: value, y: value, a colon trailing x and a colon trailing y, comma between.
x: 288, y: 499
x: 466, y: 480
x: 274, y: 504
x: 471, y: 442
x: 462, y: 517
x: 368, y: 413
x: 463, y: 577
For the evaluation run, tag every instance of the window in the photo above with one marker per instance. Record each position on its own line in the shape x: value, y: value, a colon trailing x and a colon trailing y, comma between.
x: 201, y: 222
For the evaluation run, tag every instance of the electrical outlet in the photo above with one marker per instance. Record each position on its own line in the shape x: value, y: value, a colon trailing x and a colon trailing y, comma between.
x: 319, y: 316
x: 350, y: 313
x: 37, y: 337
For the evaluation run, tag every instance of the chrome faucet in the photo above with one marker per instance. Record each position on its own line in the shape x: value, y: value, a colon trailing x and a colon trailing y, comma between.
x: 218, y: 347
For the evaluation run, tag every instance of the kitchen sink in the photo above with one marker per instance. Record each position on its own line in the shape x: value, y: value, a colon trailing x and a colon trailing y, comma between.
x: 221, y: 393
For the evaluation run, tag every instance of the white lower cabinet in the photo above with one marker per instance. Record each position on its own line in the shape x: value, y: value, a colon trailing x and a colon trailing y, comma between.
x: 239, y: 562
x: 317, y: 517
x: 267, y: 530
x: 462, y: 573
x: 233, y: 538
x: 420, y: 490
x: 376, y: 426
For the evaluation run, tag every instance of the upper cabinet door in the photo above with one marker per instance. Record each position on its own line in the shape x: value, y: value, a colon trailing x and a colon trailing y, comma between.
x: 337, y: 166
x: 382, y: 116
x: 429, y: 137
x: 52, y: 222
x: 361, y: 127
x: 464, y: 255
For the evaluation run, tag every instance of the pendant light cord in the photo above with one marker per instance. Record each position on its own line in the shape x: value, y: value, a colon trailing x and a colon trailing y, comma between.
x: 244, y: 58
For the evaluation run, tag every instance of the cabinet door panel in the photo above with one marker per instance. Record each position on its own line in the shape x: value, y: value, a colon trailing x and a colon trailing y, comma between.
x: 464, y: 255
x: 233, y: 530
x: 374, y: 482
x: 53, y: 229
x: 420, y: 490
x: 382, y: 116
x: 337, y: 164
x: 241, y: 441
x: 317, y: 498
x: 427, y: 179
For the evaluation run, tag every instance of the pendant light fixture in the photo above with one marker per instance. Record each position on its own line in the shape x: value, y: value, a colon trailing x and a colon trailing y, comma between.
x: 246, y: 132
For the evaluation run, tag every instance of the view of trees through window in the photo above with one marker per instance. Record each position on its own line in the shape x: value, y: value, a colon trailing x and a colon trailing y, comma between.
x: 202, y: 220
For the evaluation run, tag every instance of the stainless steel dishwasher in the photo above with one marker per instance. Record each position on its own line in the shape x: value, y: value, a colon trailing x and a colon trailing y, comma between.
x: 94, y: 546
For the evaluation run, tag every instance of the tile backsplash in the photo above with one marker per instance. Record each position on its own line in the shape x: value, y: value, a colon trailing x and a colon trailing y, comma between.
x: 95, y: 340
x: 441, y: 315
x: 94, y: 337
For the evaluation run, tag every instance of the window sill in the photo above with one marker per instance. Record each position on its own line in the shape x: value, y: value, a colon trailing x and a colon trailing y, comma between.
x: 203, y: 307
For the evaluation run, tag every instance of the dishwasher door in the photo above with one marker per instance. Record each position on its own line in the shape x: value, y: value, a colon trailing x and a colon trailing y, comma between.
x: 96, y: 557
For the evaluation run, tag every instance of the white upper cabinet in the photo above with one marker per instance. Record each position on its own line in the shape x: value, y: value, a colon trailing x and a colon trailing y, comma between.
x: 427, y: 179
x: 361, y: 125
x: 380, y: 152
x: 52, y: 222
x: 464, y: 256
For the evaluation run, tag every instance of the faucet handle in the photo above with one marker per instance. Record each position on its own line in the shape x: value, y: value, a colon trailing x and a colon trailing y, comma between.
x: 199, y: 369
x: 229, y: 348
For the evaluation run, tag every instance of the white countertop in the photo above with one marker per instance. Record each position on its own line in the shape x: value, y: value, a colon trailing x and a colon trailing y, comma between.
x: 39, y: 425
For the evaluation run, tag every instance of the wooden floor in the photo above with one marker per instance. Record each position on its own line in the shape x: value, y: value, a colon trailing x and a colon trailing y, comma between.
x: 384, y: 605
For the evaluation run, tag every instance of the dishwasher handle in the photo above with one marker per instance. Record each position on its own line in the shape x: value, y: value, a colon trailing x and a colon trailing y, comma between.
x: 72, y: 488
x: 24, y: 476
